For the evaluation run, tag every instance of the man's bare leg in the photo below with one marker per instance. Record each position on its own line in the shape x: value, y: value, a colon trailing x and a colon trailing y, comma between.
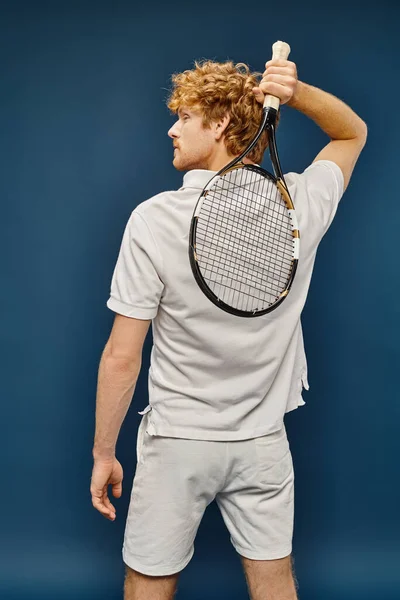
x: 270, y: 579
x: 145, y: 587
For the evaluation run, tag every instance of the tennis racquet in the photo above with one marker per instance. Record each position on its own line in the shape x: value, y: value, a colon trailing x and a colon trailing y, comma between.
x: 244, y: 239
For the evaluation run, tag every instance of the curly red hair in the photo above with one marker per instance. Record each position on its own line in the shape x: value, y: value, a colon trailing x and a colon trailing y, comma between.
x: 217, y: 89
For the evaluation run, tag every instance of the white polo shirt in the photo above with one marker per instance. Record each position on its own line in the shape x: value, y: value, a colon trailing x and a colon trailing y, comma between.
x: 213, y: 375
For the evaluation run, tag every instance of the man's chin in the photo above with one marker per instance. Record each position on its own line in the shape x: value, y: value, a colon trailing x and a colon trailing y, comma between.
x: 179, y: 165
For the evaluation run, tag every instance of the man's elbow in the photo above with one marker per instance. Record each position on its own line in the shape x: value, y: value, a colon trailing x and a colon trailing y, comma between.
x: 121, y: 361
x: 362, y: 132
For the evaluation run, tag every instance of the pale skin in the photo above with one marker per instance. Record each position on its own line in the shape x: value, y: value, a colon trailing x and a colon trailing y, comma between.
x: 199, y: 148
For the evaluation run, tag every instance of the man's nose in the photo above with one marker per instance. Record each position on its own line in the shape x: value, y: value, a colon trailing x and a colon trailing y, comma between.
x: 174, y: 132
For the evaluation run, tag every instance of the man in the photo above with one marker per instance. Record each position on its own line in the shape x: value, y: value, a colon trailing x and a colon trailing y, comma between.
x: 219, y: 385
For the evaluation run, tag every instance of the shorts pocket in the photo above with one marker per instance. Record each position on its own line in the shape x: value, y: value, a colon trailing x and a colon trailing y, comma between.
x: 274, y: 459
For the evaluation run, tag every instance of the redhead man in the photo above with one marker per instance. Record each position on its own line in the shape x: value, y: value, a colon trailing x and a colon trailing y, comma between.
x: 219, y: 385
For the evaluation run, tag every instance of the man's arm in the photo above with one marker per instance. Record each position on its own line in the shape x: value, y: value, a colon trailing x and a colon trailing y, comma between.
x: 347, y: 131
x: 118, y: 372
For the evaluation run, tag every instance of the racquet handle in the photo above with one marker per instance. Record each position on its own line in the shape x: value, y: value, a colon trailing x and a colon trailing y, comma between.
x: 280, y: 50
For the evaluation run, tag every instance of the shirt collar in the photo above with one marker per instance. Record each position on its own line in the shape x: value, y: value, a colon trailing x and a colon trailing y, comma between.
x: 197, y: 178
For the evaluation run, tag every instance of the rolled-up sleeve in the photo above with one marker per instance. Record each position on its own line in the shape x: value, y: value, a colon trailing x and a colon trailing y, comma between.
x: 136, y: 285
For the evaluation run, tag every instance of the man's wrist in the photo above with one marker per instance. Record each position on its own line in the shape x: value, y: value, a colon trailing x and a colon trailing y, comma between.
x: 296, y: 100
x: 103, y: 454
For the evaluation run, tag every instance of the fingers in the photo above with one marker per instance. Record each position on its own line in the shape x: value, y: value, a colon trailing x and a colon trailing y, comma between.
x: 276, y: 70
x: 117, y: 489
x: 281, y: 63
x: 275, y: 89
x: 258, y: 95
x: 101, y: 503
x: 281, y: 79
x: 108, y: 505
x: 279, y: 71
x: 278, y: 85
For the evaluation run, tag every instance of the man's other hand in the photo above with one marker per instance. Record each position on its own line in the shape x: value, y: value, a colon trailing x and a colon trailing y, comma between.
x: 106, y: 472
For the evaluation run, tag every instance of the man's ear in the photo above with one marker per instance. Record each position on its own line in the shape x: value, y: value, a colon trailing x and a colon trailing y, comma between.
x: 221, y: 126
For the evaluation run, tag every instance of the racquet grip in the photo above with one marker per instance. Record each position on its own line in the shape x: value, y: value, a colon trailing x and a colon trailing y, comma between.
x: 280, y: 50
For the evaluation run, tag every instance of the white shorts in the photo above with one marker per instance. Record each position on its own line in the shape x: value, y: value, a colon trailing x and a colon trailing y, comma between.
x: 251, y: 480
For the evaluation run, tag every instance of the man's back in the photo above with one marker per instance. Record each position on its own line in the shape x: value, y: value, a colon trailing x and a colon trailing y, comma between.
x: 213, y: 375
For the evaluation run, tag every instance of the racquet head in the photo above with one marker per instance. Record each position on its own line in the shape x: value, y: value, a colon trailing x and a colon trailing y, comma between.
x: 244, y: 241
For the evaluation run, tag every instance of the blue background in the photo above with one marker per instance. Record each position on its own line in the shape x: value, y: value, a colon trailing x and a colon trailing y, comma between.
x: 83, y: 140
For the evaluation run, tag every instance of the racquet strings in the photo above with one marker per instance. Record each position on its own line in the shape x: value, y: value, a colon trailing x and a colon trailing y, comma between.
x: 244, y: 240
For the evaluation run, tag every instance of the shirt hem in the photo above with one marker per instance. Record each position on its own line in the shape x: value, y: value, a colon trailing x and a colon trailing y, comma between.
x: 212, y: 436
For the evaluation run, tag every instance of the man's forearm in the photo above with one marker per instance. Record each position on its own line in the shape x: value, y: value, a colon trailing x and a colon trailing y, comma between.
x: 332, y: 115
x: 115, y: 388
